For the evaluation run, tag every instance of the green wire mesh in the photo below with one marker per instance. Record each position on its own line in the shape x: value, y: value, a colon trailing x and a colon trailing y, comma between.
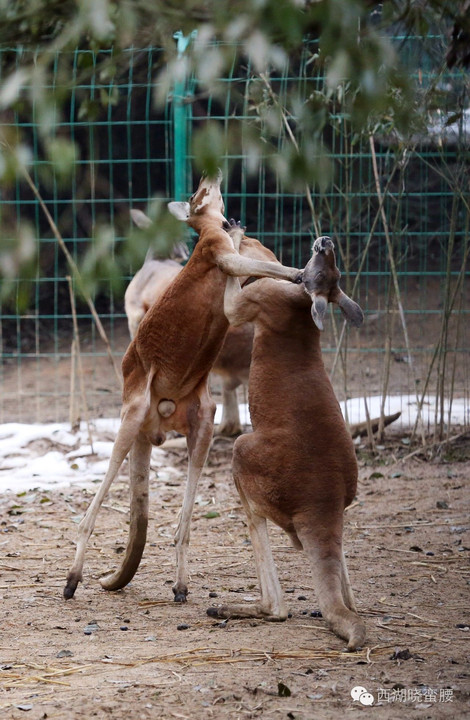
x: 127, y: 155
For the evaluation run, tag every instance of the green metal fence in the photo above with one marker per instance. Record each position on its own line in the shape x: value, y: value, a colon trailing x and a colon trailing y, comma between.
x: 408, y: 261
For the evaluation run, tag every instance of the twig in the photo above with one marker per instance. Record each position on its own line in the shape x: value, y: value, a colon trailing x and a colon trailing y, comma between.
x: 49, y: 681
x: 448, y: 310
x: 443, y: 345
x: 124, y: 511
x: 9, y: 567
x: 74, y: 414
x: 454, y: 364
x: 439, y: 443
x: 308, y: 194
x: 342, y: 356
x: 363, y: 260
x: 392, y: 264
x: 353, y: 505
x: 414, y: 634
x: 388, y: 357
x: 370, y: 436
x: 399, y: 525
x: 74, y: 268
x: 78, y: 357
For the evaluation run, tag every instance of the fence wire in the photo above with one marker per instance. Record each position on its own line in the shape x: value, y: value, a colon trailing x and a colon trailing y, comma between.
x: 399, y: 219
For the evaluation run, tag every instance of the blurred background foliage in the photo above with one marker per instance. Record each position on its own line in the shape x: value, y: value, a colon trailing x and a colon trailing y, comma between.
x: 363, y: 76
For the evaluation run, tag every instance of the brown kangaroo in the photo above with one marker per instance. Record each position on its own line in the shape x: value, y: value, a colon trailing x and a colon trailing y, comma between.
x: 298, y: 468
x: 232, y: 364
x: 165, y: 372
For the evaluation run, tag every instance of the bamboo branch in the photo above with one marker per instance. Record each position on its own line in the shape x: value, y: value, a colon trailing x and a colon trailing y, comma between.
x: 75, y: 271
x: 74, y: 415
x: 291, y: 135
x: 393, y: 266
x: 79, y: 361
x: 362, y: 262
x: 458, y: 284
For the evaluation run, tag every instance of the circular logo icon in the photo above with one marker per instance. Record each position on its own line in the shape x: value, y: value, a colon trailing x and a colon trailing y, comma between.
x: 362, y: 695
x: 357, y: 691
x: 366, y: 699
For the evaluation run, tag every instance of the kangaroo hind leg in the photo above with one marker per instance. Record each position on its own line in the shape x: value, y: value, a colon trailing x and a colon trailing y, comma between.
x: 132, y: 419
x: 325, y: 552
x: 271, y: 606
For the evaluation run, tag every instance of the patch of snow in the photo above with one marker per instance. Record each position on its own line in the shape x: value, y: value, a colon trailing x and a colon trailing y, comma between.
x: 442, y: 127
x: 46, y: 456
x: 408, y: 406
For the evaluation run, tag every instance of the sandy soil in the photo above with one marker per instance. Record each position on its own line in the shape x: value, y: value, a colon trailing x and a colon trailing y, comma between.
x: 136, y: 654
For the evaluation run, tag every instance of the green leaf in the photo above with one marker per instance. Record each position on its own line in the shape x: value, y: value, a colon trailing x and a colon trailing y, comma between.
x: 109, y: 97
x: 12, y: 86
x: 63, y: 155
x: 15, y: 510
x: 209, y: 146
x: 88, y: 110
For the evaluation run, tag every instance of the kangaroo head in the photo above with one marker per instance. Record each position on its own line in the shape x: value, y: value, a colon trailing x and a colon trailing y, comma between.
x: 206, y: 201
x: 321, y: 281
x: 179, y: 251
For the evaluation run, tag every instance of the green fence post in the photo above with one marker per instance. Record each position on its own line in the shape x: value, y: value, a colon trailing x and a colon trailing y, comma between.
x: 180, y: 117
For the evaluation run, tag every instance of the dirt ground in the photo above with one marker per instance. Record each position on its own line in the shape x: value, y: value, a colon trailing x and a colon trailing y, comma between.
x: 136, y: 654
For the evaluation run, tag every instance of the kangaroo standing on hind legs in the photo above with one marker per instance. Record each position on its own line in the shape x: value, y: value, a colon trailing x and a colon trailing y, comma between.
x: 165, y: 372
x: 232, y: 365
x: 298, y: 468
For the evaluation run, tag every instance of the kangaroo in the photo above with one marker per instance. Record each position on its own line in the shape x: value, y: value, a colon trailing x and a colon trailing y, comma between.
x: 298, y: 467
x: 165, y: 373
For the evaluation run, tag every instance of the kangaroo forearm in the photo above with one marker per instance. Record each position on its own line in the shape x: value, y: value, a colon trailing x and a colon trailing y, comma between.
x: 242, y: 266
x: 232, y: 292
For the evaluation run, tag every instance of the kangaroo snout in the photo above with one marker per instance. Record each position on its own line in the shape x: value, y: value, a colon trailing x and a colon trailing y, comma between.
x: 322, y: 244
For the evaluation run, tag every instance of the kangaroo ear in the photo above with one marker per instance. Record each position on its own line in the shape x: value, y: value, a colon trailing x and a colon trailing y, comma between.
x: 350, y: 309
x: 180, y: 210
x: 140, y: 219
x: 319, y: 307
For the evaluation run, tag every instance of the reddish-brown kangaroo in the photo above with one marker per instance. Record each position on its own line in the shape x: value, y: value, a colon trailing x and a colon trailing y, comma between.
x: 298, y: 468
x: 165, y: 372
x: 232, y: 364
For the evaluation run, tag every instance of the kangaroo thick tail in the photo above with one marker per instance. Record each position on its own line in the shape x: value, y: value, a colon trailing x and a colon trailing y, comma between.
x: 360, y: 429
x: 132, y: 558
x: 138, y: 521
